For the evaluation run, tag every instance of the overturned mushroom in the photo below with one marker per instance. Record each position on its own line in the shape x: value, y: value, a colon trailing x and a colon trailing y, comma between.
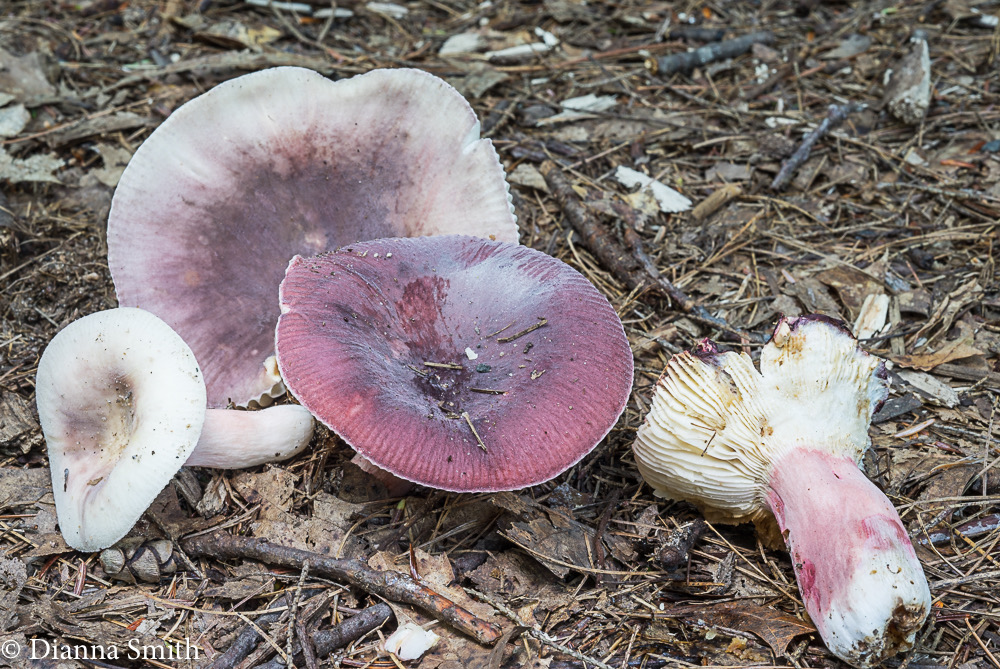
x: 121, y: 402
x: 452, y: 361
x: 282, y: 162
x: 781, y: 448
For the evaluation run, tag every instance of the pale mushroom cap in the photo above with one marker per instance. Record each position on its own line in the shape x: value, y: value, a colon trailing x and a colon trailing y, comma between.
x: 284, y: 162
x: 121, y: 402
x: 716, y: 425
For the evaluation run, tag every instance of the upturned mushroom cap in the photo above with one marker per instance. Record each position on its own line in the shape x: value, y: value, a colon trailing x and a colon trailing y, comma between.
x: 121, y: 402
x: 283, y: 162
x: 716, y: 425
x: 781, y: 447
x: 454, y: 362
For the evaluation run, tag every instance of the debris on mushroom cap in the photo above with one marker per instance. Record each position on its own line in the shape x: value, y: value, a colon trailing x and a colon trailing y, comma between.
x: 283, y: 162
x: 121, y: 403
x: 372, y: 341
x: 781, y: 447
x: 234, y: 439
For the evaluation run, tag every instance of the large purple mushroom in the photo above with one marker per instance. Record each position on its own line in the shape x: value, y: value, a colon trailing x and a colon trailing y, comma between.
x: 454, y: 362
x: 284, y: 162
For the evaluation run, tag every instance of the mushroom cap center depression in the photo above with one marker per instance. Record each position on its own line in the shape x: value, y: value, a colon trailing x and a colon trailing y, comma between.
x: 102, y: 423
x: 424, y: 349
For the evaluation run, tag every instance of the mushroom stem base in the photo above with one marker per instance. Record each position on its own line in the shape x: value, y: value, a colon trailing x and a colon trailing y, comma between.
x: 859, y: 577
x: 395, y: 486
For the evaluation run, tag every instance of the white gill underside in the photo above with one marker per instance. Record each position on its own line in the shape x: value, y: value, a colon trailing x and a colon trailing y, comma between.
x: 716, y: 423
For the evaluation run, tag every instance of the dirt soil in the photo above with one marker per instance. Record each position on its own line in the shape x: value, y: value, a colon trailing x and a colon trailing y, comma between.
x: 889, y: 223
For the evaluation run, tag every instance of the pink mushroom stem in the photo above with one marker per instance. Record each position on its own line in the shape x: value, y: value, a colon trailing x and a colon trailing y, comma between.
x: 853, y: 560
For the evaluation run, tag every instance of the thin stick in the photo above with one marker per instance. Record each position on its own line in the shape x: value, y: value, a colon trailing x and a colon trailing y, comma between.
x: 244, y: 643
x: 465, y: 415
x: 730, y: 48
x: 630, y: 265
x: 388, y: 584
x: 836, y: 114
x: 531, y: 328
x: 352, y: 629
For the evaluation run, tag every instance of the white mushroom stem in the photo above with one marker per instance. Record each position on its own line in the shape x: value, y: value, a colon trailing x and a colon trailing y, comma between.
x: 233, y: 439
x: 858, y: 574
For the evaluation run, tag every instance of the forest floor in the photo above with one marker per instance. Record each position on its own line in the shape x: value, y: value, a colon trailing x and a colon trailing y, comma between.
x: 892, y: 221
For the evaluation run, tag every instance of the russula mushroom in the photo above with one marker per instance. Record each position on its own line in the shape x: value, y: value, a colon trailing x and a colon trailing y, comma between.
x: 121, y: 402
x: 782, y: 447
x: 282, y: 162
x: 454, y: 362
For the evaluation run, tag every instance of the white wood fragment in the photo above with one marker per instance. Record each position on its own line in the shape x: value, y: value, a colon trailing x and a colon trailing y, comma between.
x: 519, y: 52
x: 934, y: 388
x: 670, y: 200
x: 462, y: 43
x: 299, y: 7
x: 390, y: 9
x: 548, y: 38
x: 410, y: 641
x: 337, y: 13
x: 873, y: 316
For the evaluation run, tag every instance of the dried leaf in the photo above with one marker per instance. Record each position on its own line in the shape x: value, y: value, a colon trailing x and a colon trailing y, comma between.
x: 908, y: 93
x: 235, y: 35
x: 526, y: 174
x: 115, y: 159
x: 24, y: 78
x: 39, y: 167
x: 18, y: 430
x: 775, y: 628
x: 953, y: 350
x: 853, y: 286
x: 23, y: 487
x: 273, y: 487
x: 13, y: 119
x: 13, y: 576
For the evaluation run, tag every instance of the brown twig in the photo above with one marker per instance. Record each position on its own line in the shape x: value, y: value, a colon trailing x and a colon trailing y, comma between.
x: 628, y: 262
x: 244, y: 644
x: 388, y: 584
x: 836, y: 114
x: 327, y: 641
x: 730, y: 48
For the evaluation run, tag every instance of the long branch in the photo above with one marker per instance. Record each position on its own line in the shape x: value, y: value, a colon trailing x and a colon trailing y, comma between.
x: 391, y: 585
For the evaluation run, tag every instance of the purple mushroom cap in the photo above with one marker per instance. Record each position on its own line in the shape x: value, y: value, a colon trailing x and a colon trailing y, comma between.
x: 455, y: 362
x: 284, y: 162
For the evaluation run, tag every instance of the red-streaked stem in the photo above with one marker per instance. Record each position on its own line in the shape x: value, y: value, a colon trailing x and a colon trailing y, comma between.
x: 860, y: 579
